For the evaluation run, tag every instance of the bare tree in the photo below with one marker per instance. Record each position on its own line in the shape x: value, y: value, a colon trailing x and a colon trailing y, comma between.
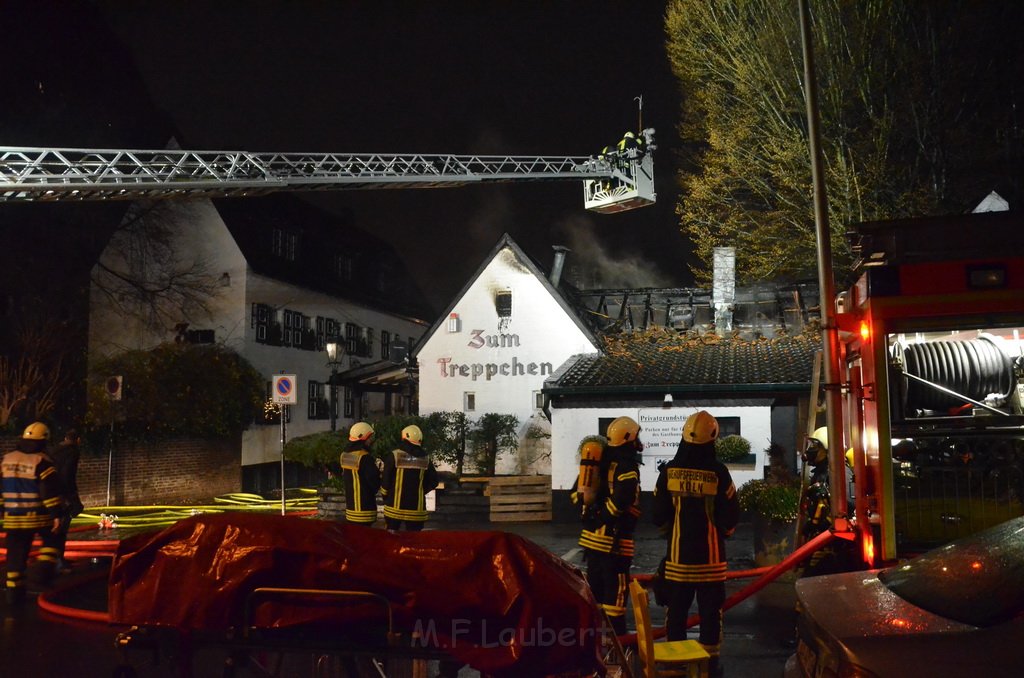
x: 32, y: 370
x: 144, y: 274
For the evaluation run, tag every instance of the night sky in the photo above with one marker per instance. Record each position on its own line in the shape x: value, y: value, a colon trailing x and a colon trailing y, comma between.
x: 555, y: 78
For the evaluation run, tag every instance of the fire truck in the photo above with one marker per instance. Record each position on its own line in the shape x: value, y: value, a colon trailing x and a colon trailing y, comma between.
x: 931, y: 369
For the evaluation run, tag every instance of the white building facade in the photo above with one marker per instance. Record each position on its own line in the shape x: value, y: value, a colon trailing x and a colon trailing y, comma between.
x: 505, y: 333
x: 275, y: 296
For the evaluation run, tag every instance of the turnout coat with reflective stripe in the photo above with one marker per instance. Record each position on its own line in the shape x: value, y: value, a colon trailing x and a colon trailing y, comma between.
x: 609, y: 525
x: 362, y: 481
x: 407, y: 478
x: 31, y: 497
x: 695, y: 502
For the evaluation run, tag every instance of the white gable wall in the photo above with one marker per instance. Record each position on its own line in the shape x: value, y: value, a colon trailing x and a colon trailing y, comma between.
x: 502, y: 362
x: 200, y: 242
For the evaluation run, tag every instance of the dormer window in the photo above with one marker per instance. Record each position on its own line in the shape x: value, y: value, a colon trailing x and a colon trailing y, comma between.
x: 285, y: 244
x: 343, y: 266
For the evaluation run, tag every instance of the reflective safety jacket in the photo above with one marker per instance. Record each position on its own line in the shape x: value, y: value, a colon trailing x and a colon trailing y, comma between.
x: 31, y: 495
x: 408, y: 476
x: 608, y: 525
x: 816, y: 503
x: 362, y: 481
x: 695, y: 503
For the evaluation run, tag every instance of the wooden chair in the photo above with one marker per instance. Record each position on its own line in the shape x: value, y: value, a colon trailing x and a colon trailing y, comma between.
x: 678, y: 657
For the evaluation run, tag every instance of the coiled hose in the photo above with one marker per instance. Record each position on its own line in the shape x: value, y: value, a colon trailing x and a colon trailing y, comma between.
x: 975, y: 368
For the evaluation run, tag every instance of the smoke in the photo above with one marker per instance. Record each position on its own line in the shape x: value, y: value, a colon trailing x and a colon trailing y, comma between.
x: 593, y: 264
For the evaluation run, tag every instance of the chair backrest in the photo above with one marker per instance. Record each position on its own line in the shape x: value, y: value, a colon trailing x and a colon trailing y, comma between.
x: 642, y: 616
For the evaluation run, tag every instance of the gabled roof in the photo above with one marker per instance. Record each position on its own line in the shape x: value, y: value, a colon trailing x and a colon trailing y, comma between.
x: 503, y: 242
x: 379, y: 279
x: 677, y: 363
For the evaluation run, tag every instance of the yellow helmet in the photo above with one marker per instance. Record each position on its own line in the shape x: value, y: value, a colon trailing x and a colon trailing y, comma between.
x: 413, y: 434
x: 700, y: 428
x: 360, y: 431
x: 622, y: 430
x: 849, y: 457
x: 36, y: 431
x: 817, y: 447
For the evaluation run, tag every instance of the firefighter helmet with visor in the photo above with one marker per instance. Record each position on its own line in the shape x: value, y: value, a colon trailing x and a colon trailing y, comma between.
x: 413, y: 434
x: 36, y: 431
x: 700, y: 428
x: 360, y: 431
x: 622, y: 431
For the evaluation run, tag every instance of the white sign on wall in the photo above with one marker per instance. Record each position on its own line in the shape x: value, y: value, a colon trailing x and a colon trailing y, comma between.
x: 660, y: 432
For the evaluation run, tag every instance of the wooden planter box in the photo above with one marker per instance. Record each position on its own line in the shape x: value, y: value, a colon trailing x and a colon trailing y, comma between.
x: 499, y: 499
x: 519, y: 498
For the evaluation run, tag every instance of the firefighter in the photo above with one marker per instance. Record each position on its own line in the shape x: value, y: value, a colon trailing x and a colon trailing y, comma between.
x: 696, y: 506
x: 65, y: 460
x: 30, y: 505
x: 609, y: 524
x: 815, y: 502
x: 408, y: 476
x: 360, y: 476
x: 816, y: 505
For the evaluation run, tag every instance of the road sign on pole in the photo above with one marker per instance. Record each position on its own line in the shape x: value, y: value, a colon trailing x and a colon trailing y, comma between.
x: 284, y: 389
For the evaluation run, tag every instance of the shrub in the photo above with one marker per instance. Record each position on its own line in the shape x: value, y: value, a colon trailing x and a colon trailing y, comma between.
x: 731, y: 449
x: 773, y: 501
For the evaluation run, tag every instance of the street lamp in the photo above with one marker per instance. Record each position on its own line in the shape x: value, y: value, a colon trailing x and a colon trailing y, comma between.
x: 335, y: 352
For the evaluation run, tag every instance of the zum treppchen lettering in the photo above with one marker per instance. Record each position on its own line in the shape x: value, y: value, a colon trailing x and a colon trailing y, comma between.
x: 488, y: 371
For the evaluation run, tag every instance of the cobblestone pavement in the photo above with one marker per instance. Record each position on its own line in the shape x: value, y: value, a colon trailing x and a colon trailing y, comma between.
x: 37, y: 643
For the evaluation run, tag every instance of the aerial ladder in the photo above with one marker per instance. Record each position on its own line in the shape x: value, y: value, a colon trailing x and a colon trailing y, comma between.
x: 613, y: 182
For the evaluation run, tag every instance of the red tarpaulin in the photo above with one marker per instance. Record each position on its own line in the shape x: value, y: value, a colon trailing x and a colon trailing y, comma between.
x: 493, y: 600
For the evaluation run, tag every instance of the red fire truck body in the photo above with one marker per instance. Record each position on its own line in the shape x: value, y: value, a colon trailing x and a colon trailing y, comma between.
x: 932, y: 360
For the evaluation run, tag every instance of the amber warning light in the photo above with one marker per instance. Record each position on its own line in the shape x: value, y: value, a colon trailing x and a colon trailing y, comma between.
x: 865, y: 330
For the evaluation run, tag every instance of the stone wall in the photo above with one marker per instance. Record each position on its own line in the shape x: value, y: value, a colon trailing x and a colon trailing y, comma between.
x: 177, y: 471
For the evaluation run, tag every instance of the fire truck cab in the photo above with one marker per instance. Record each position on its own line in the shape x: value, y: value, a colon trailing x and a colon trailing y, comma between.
x: 932, y: 362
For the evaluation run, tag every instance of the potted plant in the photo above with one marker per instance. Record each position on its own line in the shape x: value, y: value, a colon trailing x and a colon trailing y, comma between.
x: 772, y: 504
x: 734, y: 449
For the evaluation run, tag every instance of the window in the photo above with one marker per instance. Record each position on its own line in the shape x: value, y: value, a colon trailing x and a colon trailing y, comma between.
x: 318, y: 407
x: 285, y: 244
x: 350, y: 403
x: 453, y: 323
x: 368, y: 342
x: 327, y: 329
x: 352, y: 332
x: 343, y: 266
x: 385, y: 345
x: 503, y: 303
x: 200, y: 336
x: 469, y: 402
x: 260, y: 321
x: 728, y: 426
x: 538, y: 400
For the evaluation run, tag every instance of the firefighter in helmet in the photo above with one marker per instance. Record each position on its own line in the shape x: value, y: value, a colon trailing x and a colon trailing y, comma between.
x: 360, y: 476
x: 610, y: 521
x: 408, y: 476
x: 30, y: 505
x: 696, y: 506
x: 816, y: 504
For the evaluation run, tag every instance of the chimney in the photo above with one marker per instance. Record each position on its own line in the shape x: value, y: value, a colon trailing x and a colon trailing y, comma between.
x: 723, y: 293
x: 556, y: 268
